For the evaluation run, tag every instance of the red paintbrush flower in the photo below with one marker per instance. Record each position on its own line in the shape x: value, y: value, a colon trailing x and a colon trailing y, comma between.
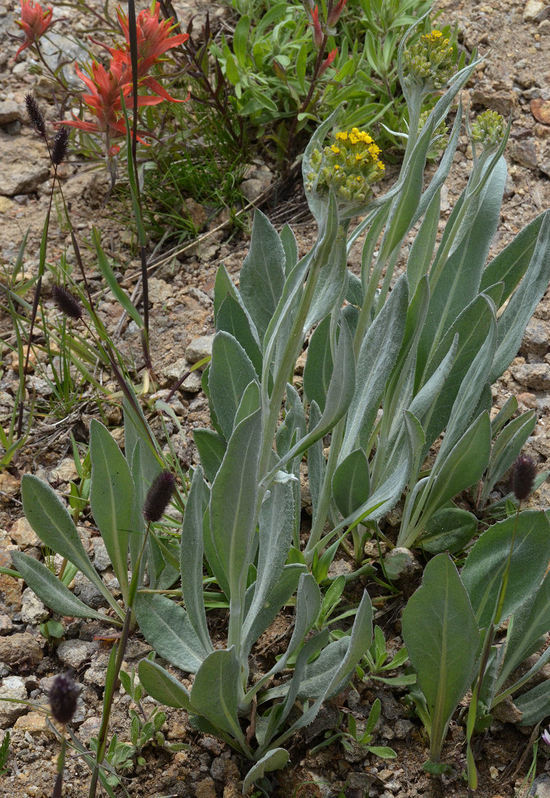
x: 34, y: 20
x: 317, y: 30
x: 334, y: 13
x: 328, y: 61
x: 153, y: 36
x: 104, y: 101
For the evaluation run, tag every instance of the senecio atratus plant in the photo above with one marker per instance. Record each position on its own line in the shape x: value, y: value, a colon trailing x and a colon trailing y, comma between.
x: 392, y: 362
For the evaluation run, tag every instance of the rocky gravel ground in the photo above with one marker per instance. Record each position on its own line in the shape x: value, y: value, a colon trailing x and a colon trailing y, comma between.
x: 514, y: 79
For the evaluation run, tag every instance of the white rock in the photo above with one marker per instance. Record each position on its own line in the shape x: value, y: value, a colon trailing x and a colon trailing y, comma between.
x: 12, y: 687
x: 199, y: 348
x: 73, y: 653
x: 32, y: 609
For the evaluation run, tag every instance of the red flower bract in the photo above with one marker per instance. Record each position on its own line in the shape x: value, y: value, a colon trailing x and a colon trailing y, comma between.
x: 153, y: 36
x: 34, y: 20
x: 110, y: 87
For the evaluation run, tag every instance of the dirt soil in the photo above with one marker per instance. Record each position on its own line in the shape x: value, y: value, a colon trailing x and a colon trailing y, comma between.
x: 514, y: 79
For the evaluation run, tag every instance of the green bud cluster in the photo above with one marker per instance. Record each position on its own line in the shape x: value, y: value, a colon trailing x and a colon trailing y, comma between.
x: 431, y: 60
x: 489, y: 129
x: 440, y: 136
x: 349, y: 166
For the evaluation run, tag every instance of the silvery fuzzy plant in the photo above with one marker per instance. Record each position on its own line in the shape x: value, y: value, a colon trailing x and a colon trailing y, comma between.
x: 423, y: 349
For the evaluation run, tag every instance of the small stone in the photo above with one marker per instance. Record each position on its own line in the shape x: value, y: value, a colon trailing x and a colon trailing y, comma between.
x: 33, y: 610
x: 89, y: 729
x: 159, y: 291
x: 65, y: 472
x: 6, y: 624
x: 536, y: 337
x: 541, y: 110
x: 12, y: 687
x: 87, y: 592
x: 10, y: 111
x: 400, y: 562
x: 525, y: 153
x: 34, y: 723
x: 535, y: 11
x: 193, y: 383
x: 217, y: 769
x: 23, y: 534
x: 10, y: 588
x: 532, y: 375
x: 20, y: 649
x: 402, y: 729
x: 527, y: 400
x: 101, y: 557
x: 74, y: 653
x: 25, y: 165
x: 205, y: 788
x: 199, y: 348
x: 540, y: 788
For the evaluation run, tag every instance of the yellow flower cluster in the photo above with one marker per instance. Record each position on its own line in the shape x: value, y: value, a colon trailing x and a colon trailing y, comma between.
x: 348, y: 166
x: 431, y: 60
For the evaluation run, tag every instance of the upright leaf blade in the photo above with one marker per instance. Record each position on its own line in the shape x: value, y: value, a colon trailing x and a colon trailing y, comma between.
x: 111, y: 498
x: 262, y: 275
x: 191, y: 557
x: 442, y: 638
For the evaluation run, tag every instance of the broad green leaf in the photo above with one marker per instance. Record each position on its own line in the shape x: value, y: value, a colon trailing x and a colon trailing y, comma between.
x: 441, y: 635
x: 211, y: 448
x: 450, y: 529
x: 331, y: 282
x: 51, y: 590
x: 469, y: 393
x: 525, y: 629
x: 290, y: 246
x: 461, y: 467
x: 240, y: 40
x: 351, y: 483
x: 215, y: 692
x: 472, y: 328
x: 319, y: 364
x: 166, y: 626
x: 534, y: 704
x: 162, y: 686
x: 527, y: 536
x: 377, y: 356
x: 276, y: 526
x: 233, y: 501
x: 231, y: 318
x: 507, y: 447
x: 191, y: 557
x: 55, y: 528
x: 231, y: 370
x: 510, y: 265
x: 460, y: 276
x: 275, y: 759
x: 112, y: 499
x: 315, y: 459
x: 418, y: 262
x: 262, y: 274
x: 513, y: 320
x: 339, y: 395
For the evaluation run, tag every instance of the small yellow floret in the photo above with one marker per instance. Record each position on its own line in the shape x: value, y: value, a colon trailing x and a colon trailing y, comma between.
x: 342, y: 135
x: 335, y: 149
x: 433, y: 36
